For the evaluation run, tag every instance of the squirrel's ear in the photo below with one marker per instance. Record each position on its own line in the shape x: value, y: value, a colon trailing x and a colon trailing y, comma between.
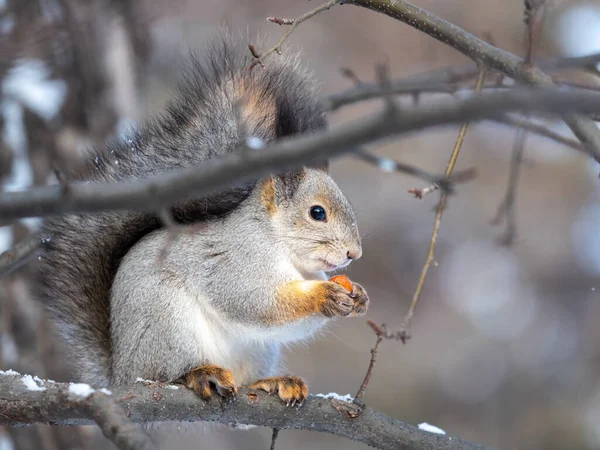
x: 320, y: 165
x: 286, y: 185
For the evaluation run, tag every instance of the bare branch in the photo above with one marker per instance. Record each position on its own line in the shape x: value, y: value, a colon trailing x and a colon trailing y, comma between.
x: 483, y: 54
x: 363, y: 386
x: 11, y: 260
x: 115, y: 424
x: 162, y: 190
x: 390, y: 165
x: 293, y: 23
x: 274, y: 437
x: 506, y: 209
x: 542, y: 131
x: 534, y: 25
x: 438, y: 218
x: 158, y: 403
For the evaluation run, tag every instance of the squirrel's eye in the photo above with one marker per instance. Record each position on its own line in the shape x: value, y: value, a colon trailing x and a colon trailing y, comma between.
x: 318, y: 213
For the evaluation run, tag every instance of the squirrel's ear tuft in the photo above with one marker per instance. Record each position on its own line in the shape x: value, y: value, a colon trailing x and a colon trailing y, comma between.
x: 323, y: 166
x: 277, y: 189
x: 287, y: 184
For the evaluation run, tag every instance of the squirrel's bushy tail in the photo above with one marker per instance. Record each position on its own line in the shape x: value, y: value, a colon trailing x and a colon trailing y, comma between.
x: 217, y: 95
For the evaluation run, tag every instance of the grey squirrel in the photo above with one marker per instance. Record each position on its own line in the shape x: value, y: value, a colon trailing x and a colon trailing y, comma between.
x: 212, y: 305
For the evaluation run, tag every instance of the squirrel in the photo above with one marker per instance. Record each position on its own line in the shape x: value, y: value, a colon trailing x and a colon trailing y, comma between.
x: 210, y: 306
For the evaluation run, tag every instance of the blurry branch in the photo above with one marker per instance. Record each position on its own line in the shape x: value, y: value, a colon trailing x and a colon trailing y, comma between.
x: 485, y: 55
x: 542, y: 131
x: 405, y: 332
x: 420, y: 84
x: 115, y: 424
x: 533, y: 10
x: 12, y: 259
x: 363, y: 386
x: 409, y: 86
x: 274, y: 437
x: 162, y: 190
x: 26, y: 400
x: 506, y: 209
x: 158, y: 403
x: 292, y: 23
x: 389, y: 165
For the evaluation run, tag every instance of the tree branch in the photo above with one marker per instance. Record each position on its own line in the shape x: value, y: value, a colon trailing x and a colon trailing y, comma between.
x: 12, y: 259
x: 483, y: 54
x: 437, y: 221
x: 292, y: 23
x: 157, y: 403
x: 165, y: 189
x: 115, y: 425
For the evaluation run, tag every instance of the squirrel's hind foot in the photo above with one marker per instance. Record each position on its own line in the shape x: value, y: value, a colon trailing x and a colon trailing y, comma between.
x: 205, y: 378
x: 291, y: 390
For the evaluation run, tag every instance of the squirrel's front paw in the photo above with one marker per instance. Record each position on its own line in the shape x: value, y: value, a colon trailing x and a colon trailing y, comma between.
x: 361, y: 300
x: 203, y: 378
x: 292, y: 390
x: 338, y: 301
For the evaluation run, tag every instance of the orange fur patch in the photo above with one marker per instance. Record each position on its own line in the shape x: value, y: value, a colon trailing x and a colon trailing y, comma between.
x: 298, y: 299
x: 257, y: 108
x: 267, y: 195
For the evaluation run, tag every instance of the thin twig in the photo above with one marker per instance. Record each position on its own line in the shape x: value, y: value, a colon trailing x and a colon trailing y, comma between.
x: 378, y: 332
x: 351, y: 75
x: 293, y: 23
x: 389, y: 165
x: 534, y: 25
x: 274, y: 437
x: 420, y: 193
x: 506, y: 209
x: 438, y: 218
x: 532, y: 127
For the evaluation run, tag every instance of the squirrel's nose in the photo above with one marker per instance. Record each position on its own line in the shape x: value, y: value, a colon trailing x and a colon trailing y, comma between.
x: 351, y: 254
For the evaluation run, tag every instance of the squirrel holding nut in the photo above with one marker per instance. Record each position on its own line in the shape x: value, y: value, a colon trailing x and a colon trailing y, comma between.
x: 210, y: 305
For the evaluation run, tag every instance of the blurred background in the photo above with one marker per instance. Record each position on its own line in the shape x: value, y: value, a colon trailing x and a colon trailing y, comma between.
x: 506, y: 346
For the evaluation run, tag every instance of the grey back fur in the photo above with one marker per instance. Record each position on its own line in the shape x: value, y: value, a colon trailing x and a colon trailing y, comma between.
x: 83, y: 252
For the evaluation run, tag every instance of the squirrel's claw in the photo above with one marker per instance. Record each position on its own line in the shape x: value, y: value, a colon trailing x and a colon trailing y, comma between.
x: 340, y: 302
x: 291, y: 390
x: 203, y: 378
x: 361, y: 300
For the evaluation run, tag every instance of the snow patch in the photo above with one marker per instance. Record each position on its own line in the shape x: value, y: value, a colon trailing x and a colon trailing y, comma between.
x: 171, y: 387
x: 6, y: 442
x: 255, y: 143
x: 81, y: 389
x: 105, y: 391
x: 141, y: 380
x: 344, y: 398
x: 9, y: 372
x: 9, y: 347
x: 387, y: 165
x: 431, y: 428
x: 39, y: 380
x: 30, y: 383
x: 28, y: 83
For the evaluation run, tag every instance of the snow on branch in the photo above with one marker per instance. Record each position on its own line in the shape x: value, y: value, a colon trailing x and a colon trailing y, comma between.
x: 32, y: 400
